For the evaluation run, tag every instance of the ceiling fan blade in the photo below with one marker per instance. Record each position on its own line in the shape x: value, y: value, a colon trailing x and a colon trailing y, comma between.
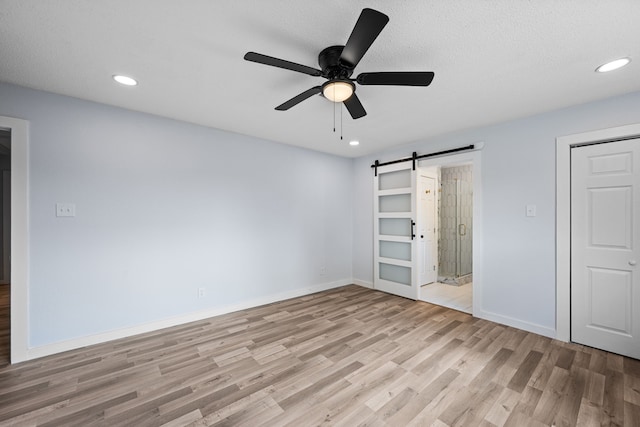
x: 299, y: 98
x: 369, y: 25
x: 281, y: 63
x: 355, y: 107
x: 410, y: 78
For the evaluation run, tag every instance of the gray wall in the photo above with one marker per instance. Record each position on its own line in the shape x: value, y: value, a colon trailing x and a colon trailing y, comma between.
x: 164, y: 208
x: 518, y: 168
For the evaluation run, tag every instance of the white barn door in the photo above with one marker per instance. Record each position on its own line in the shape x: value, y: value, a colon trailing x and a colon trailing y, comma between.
x: 394, y: 212
x: 605, y: 246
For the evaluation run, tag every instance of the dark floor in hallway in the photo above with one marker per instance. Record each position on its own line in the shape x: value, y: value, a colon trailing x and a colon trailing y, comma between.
x: 4, y: 325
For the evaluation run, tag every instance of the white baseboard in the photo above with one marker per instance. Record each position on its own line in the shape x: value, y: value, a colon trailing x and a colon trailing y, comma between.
x: 59, y: 347
x: 72, y: 344
x: 516, y: 323
x: 494, y: 317
x: 362, y: 283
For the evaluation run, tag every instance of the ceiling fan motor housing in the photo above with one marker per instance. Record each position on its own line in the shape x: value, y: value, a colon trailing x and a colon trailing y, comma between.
x: 332, y: 68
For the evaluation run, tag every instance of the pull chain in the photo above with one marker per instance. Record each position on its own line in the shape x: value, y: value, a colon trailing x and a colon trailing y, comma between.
x: 341, y: 121
x: 334, y: 117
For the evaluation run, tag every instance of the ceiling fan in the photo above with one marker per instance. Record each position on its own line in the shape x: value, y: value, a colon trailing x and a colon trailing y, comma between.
x: 338, y: 62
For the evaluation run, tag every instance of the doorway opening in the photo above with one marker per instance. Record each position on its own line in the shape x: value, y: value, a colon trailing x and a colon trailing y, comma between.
x: 450, y: 217
x: 5, y: 246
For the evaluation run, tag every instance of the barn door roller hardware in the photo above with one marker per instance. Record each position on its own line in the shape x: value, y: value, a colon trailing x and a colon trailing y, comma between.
x: 414, y: 157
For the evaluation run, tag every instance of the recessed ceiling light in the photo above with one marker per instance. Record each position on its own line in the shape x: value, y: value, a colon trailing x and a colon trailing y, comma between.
x: 354, y: 143
x: 613, y: 65
x: 125, y: 80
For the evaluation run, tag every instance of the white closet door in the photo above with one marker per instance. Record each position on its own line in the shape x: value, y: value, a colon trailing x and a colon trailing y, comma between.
x: 394, y: 214
x: 605, y: 246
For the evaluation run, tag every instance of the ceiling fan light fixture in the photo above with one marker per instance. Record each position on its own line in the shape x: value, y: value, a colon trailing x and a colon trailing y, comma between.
x: 613, y: 65
x: 338, y: 90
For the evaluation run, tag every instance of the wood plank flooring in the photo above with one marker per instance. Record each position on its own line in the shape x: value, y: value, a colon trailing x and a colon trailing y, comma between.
x: 346, y: 357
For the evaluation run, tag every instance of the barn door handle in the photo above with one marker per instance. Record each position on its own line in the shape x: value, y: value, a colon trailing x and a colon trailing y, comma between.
x: 413, y: 229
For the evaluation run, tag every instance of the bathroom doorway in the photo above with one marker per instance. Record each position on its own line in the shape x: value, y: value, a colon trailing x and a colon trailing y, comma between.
x: 453, y: 287
x: 455, y: 248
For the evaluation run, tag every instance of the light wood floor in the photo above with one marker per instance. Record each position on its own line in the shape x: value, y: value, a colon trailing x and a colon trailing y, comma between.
x: 350, y: 356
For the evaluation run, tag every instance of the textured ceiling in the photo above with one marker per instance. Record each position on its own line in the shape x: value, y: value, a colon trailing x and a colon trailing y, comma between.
x: 494, y: 60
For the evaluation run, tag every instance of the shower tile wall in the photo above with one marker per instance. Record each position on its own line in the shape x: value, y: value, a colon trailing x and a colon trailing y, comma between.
x: 449, y: 225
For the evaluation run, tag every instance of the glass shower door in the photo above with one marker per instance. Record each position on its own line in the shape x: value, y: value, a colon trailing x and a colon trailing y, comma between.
x: 465, y: 223
x: 448, y: 230
x: 456, y: 221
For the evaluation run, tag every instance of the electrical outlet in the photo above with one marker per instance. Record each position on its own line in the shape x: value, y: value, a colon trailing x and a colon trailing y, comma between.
x: 65, y: 209
x: 200, y: 292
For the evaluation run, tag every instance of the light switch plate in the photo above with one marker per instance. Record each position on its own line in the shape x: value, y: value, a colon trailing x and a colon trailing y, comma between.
x: 65, y: 209
x: 531, y: 210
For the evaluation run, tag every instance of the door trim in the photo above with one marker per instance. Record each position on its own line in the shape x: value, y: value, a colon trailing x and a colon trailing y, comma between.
x: 563, y: 215
x: 19, y: 236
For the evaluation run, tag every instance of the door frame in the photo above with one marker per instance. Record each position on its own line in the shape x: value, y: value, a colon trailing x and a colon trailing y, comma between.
x: 563, y: 214
x: 19, y: 236
x: 474, y: 158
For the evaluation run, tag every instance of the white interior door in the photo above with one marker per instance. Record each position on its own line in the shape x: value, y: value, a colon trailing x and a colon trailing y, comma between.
x: 605, y: 241
x: 394, y: 211
x: 427, y: 225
